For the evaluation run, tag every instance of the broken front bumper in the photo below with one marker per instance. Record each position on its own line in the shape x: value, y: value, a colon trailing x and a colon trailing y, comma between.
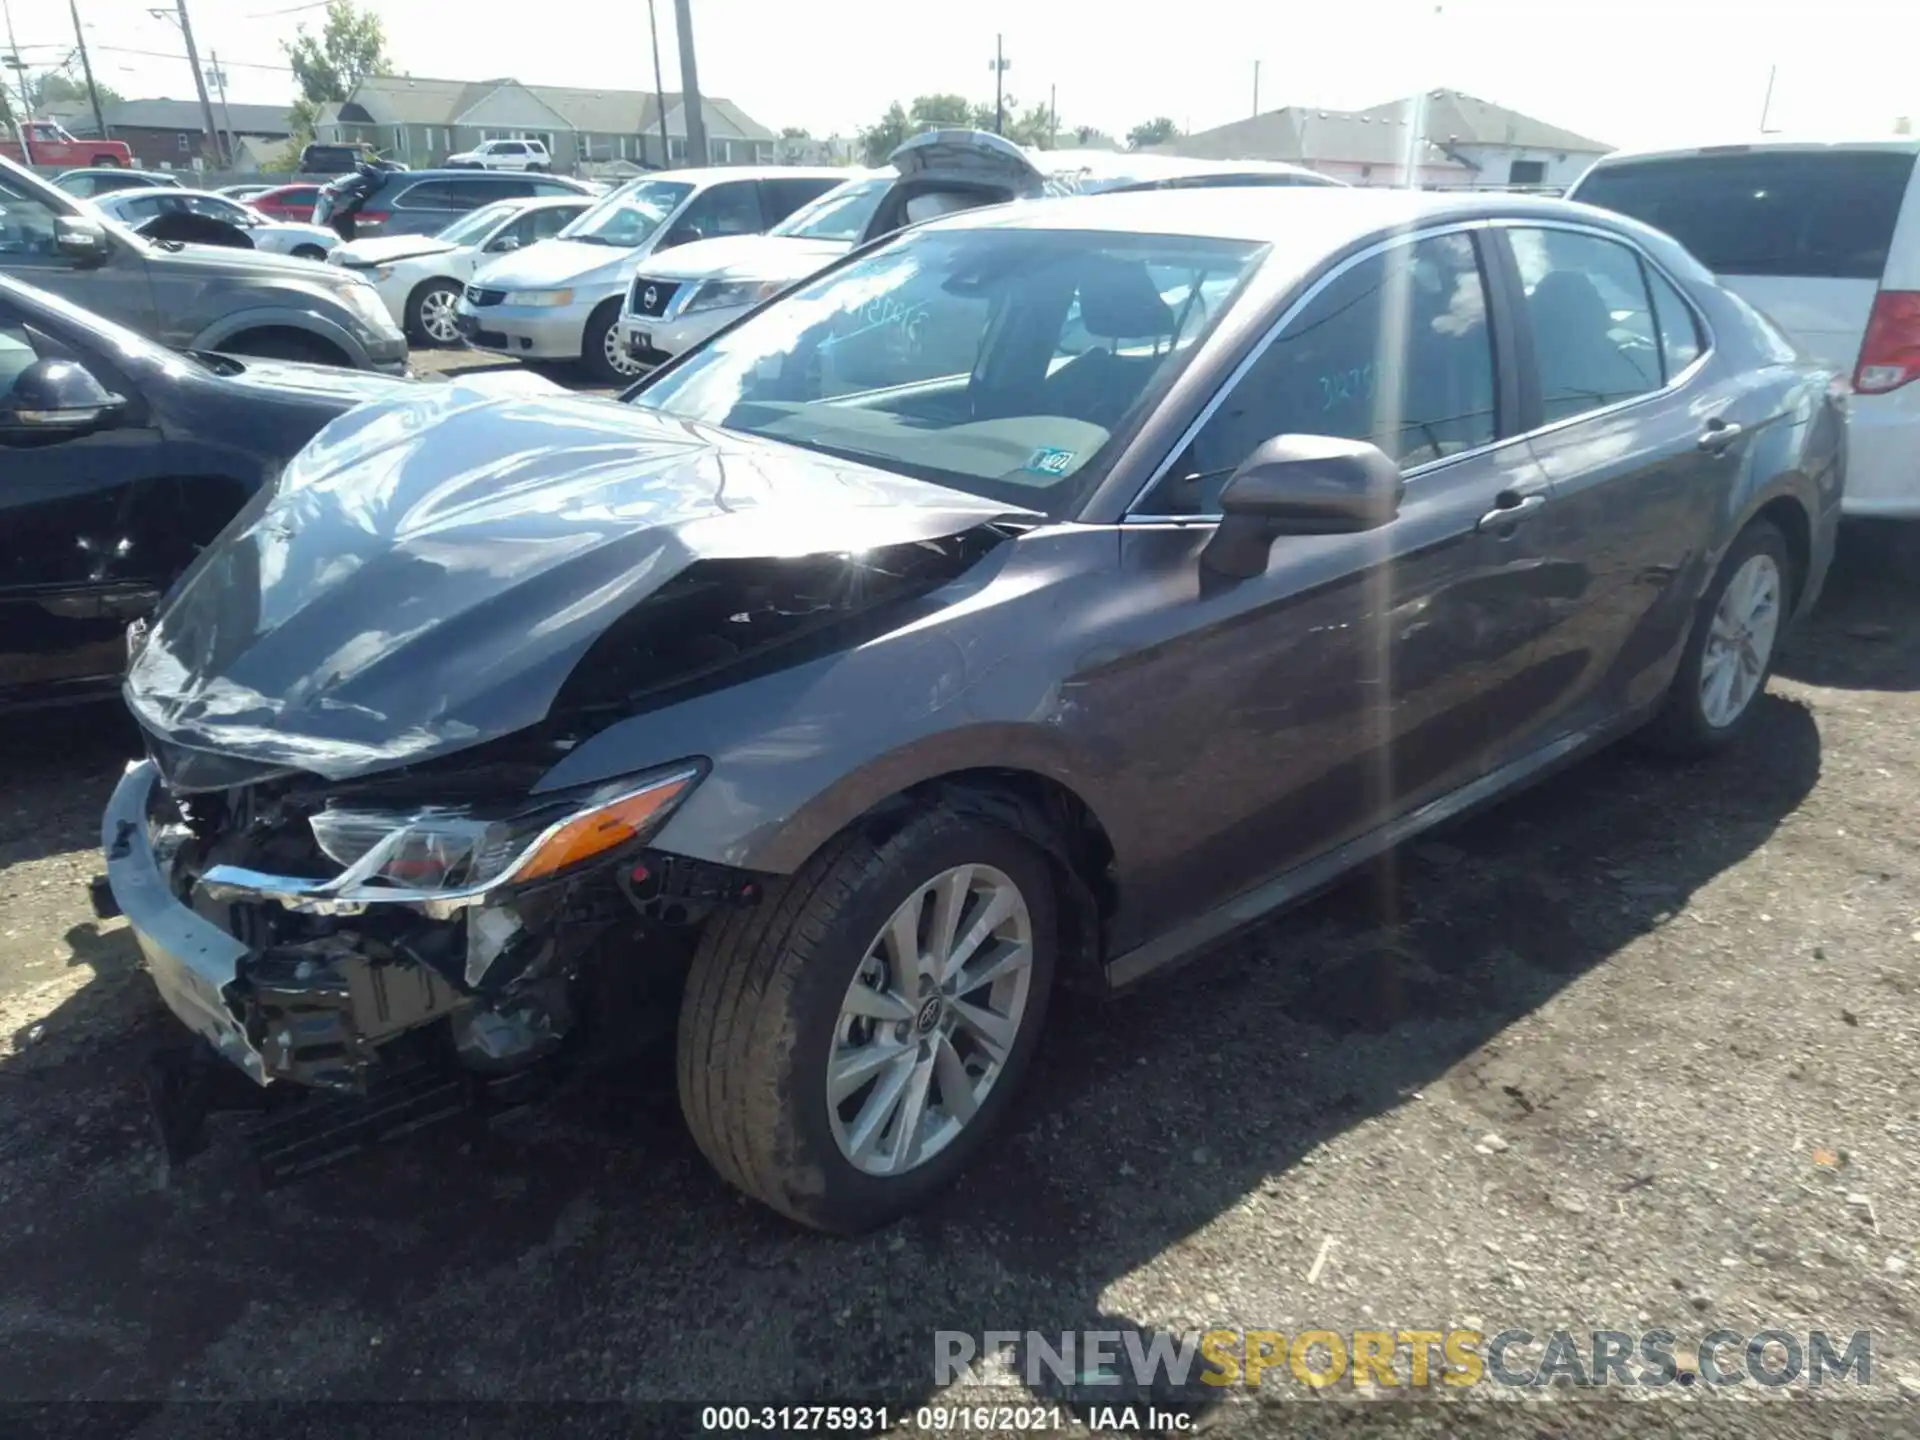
x: 195, y: 964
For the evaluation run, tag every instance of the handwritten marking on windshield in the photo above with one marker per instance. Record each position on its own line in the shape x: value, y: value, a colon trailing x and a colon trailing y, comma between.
x: 879, y: 314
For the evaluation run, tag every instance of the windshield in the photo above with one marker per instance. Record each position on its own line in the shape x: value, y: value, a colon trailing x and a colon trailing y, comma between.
x: 468, y: 229
x: 996, y: 361
x: 628, y: 217
x: 840, y: 214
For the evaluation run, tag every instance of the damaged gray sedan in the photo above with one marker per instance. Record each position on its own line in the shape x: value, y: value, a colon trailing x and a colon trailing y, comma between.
x: 1030, y: 599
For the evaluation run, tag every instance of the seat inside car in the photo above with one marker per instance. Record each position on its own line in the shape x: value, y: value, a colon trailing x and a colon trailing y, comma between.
x: 1118, y: 303
x: 1578, y: 364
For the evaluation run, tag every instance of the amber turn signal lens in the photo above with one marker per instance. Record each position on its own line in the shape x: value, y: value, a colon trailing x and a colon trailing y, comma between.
x: 601, y: 829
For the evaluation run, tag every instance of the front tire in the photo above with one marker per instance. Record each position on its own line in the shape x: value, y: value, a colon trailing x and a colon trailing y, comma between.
x: 602, y: 355
x: 848, y: 1045
x: 1736, y: 634
x: 431, y: 313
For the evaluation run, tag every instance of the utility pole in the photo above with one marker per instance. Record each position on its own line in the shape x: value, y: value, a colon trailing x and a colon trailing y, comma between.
x: 1000, y: 64
x: 659, y: 91
x: 1256, y: 87
x: 690, y: 103
x: 1053, y: 117
x: 179, y: 16
x: 86, y: 68
x: 19, y: 68
x: 1766, y: 105
x: 226, y: 115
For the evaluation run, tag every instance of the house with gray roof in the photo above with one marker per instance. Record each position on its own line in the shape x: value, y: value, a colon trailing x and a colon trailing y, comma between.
x: 1454, y: 140
x: 172, y: 134
x: 420, y: 121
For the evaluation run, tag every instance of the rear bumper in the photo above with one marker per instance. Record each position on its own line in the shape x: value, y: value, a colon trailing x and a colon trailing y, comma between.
x: 1883, y: 455
x: 196, y: 966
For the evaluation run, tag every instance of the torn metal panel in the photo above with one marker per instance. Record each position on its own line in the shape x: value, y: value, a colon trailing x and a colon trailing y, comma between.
x: 428, y: 574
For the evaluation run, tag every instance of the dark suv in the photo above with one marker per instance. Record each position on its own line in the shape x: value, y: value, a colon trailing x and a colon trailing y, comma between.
x: 377, y: 201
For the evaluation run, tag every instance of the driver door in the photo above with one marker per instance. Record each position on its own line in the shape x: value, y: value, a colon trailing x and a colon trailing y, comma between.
x: 1361, y: 675
x: 75, y: 554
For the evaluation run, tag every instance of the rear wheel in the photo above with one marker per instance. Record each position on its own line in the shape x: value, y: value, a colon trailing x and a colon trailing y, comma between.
x: 107, y: 162
x: 848, y: 1045
x: 431, y: 313
x: 602, y: 355
x: 1730, y: 653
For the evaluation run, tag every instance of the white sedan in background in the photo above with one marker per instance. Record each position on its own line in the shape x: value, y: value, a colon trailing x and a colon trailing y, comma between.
x: 281, y: 237
x: 421, y: 276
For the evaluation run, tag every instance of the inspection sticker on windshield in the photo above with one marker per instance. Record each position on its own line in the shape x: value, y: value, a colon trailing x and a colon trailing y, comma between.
x: 1048, y: 460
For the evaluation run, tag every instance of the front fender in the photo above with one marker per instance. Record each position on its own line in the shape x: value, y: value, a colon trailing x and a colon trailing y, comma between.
x: 283, y: 316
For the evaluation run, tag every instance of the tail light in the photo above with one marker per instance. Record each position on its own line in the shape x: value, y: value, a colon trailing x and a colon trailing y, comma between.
x: 1890, y: 355
x: 372, y: 217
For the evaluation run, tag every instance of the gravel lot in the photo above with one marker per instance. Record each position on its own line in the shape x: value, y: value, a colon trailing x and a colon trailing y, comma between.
x: 1638, y: 1048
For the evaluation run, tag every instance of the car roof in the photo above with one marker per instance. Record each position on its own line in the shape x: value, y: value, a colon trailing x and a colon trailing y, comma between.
x: 713, y: 174
x: 1773, y: 144
x: 1333, y: 214
x: 114, y: 170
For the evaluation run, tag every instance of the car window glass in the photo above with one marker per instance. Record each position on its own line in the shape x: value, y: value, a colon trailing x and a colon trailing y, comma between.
x: 553, y: 187
x: 548, y: 220
x: 1679, y: 330
x: 943, y: 356
x: 1395, y: 351
x: 1593, y: 338
x: 1829, y: 214
x: 26, y: 222
x: 218, y: 209
x: 729, y: 209
x: 429, y: 195
x: 17, y: 352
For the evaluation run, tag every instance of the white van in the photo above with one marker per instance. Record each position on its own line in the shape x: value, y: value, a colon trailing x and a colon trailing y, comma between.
x: 1824, y: 238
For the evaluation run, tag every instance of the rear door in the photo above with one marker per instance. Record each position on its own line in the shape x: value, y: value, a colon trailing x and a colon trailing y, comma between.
x: 1642, y: 435
x: 1801, y: 233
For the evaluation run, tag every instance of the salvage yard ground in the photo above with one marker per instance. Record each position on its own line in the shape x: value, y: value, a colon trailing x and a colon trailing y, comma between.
x: 1638, y: 1048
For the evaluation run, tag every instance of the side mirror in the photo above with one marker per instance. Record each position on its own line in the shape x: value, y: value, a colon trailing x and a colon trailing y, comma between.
x: 504, y: 244
x: 682, y: 235
x: 54, y: 398
x: 1300, y: 485
x: 81, y: 240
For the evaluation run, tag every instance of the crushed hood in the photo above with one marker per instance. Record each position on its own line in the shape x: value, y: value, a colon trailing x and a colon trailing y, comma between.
x: 427, y: 573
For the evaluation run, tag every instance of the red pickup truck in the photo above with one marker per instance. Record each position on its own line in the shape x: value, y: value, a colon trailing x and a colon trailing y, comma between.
x: 44, y: 142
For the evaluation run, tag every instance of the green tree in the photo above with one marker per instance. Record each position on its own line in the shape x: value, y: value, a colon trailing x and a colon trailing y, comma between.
x: 879, y: 141
x: 350, y: 46
x: 53, y: 87
x: 940, y: 112
x: 1157, y: 131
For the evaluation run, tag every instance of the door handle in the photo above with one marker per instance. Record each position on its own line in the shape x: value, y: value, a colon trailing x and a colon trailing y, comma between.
x: 1719, y: 435
x: 1511, y: 510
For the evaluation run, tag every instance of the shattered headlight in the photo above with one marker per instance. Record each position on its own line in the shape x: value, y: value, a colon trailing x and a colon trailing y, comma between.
x: 448, y: 852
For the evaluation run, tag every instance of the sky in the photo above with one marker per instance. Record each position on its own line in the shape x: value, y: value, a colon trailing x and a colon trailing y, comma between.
x: 1633, y: 72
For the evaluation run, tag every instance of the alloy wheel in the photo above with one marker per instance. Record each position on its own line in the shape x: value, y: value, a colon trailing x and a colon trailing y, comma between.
x: 930, y: 1019
x: 1740, y: 640
x: 437, y: 316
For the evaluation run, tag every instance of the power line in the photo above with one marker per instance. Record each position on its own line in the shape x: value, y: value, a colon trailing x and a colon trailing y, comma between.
x: 165, y: 55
